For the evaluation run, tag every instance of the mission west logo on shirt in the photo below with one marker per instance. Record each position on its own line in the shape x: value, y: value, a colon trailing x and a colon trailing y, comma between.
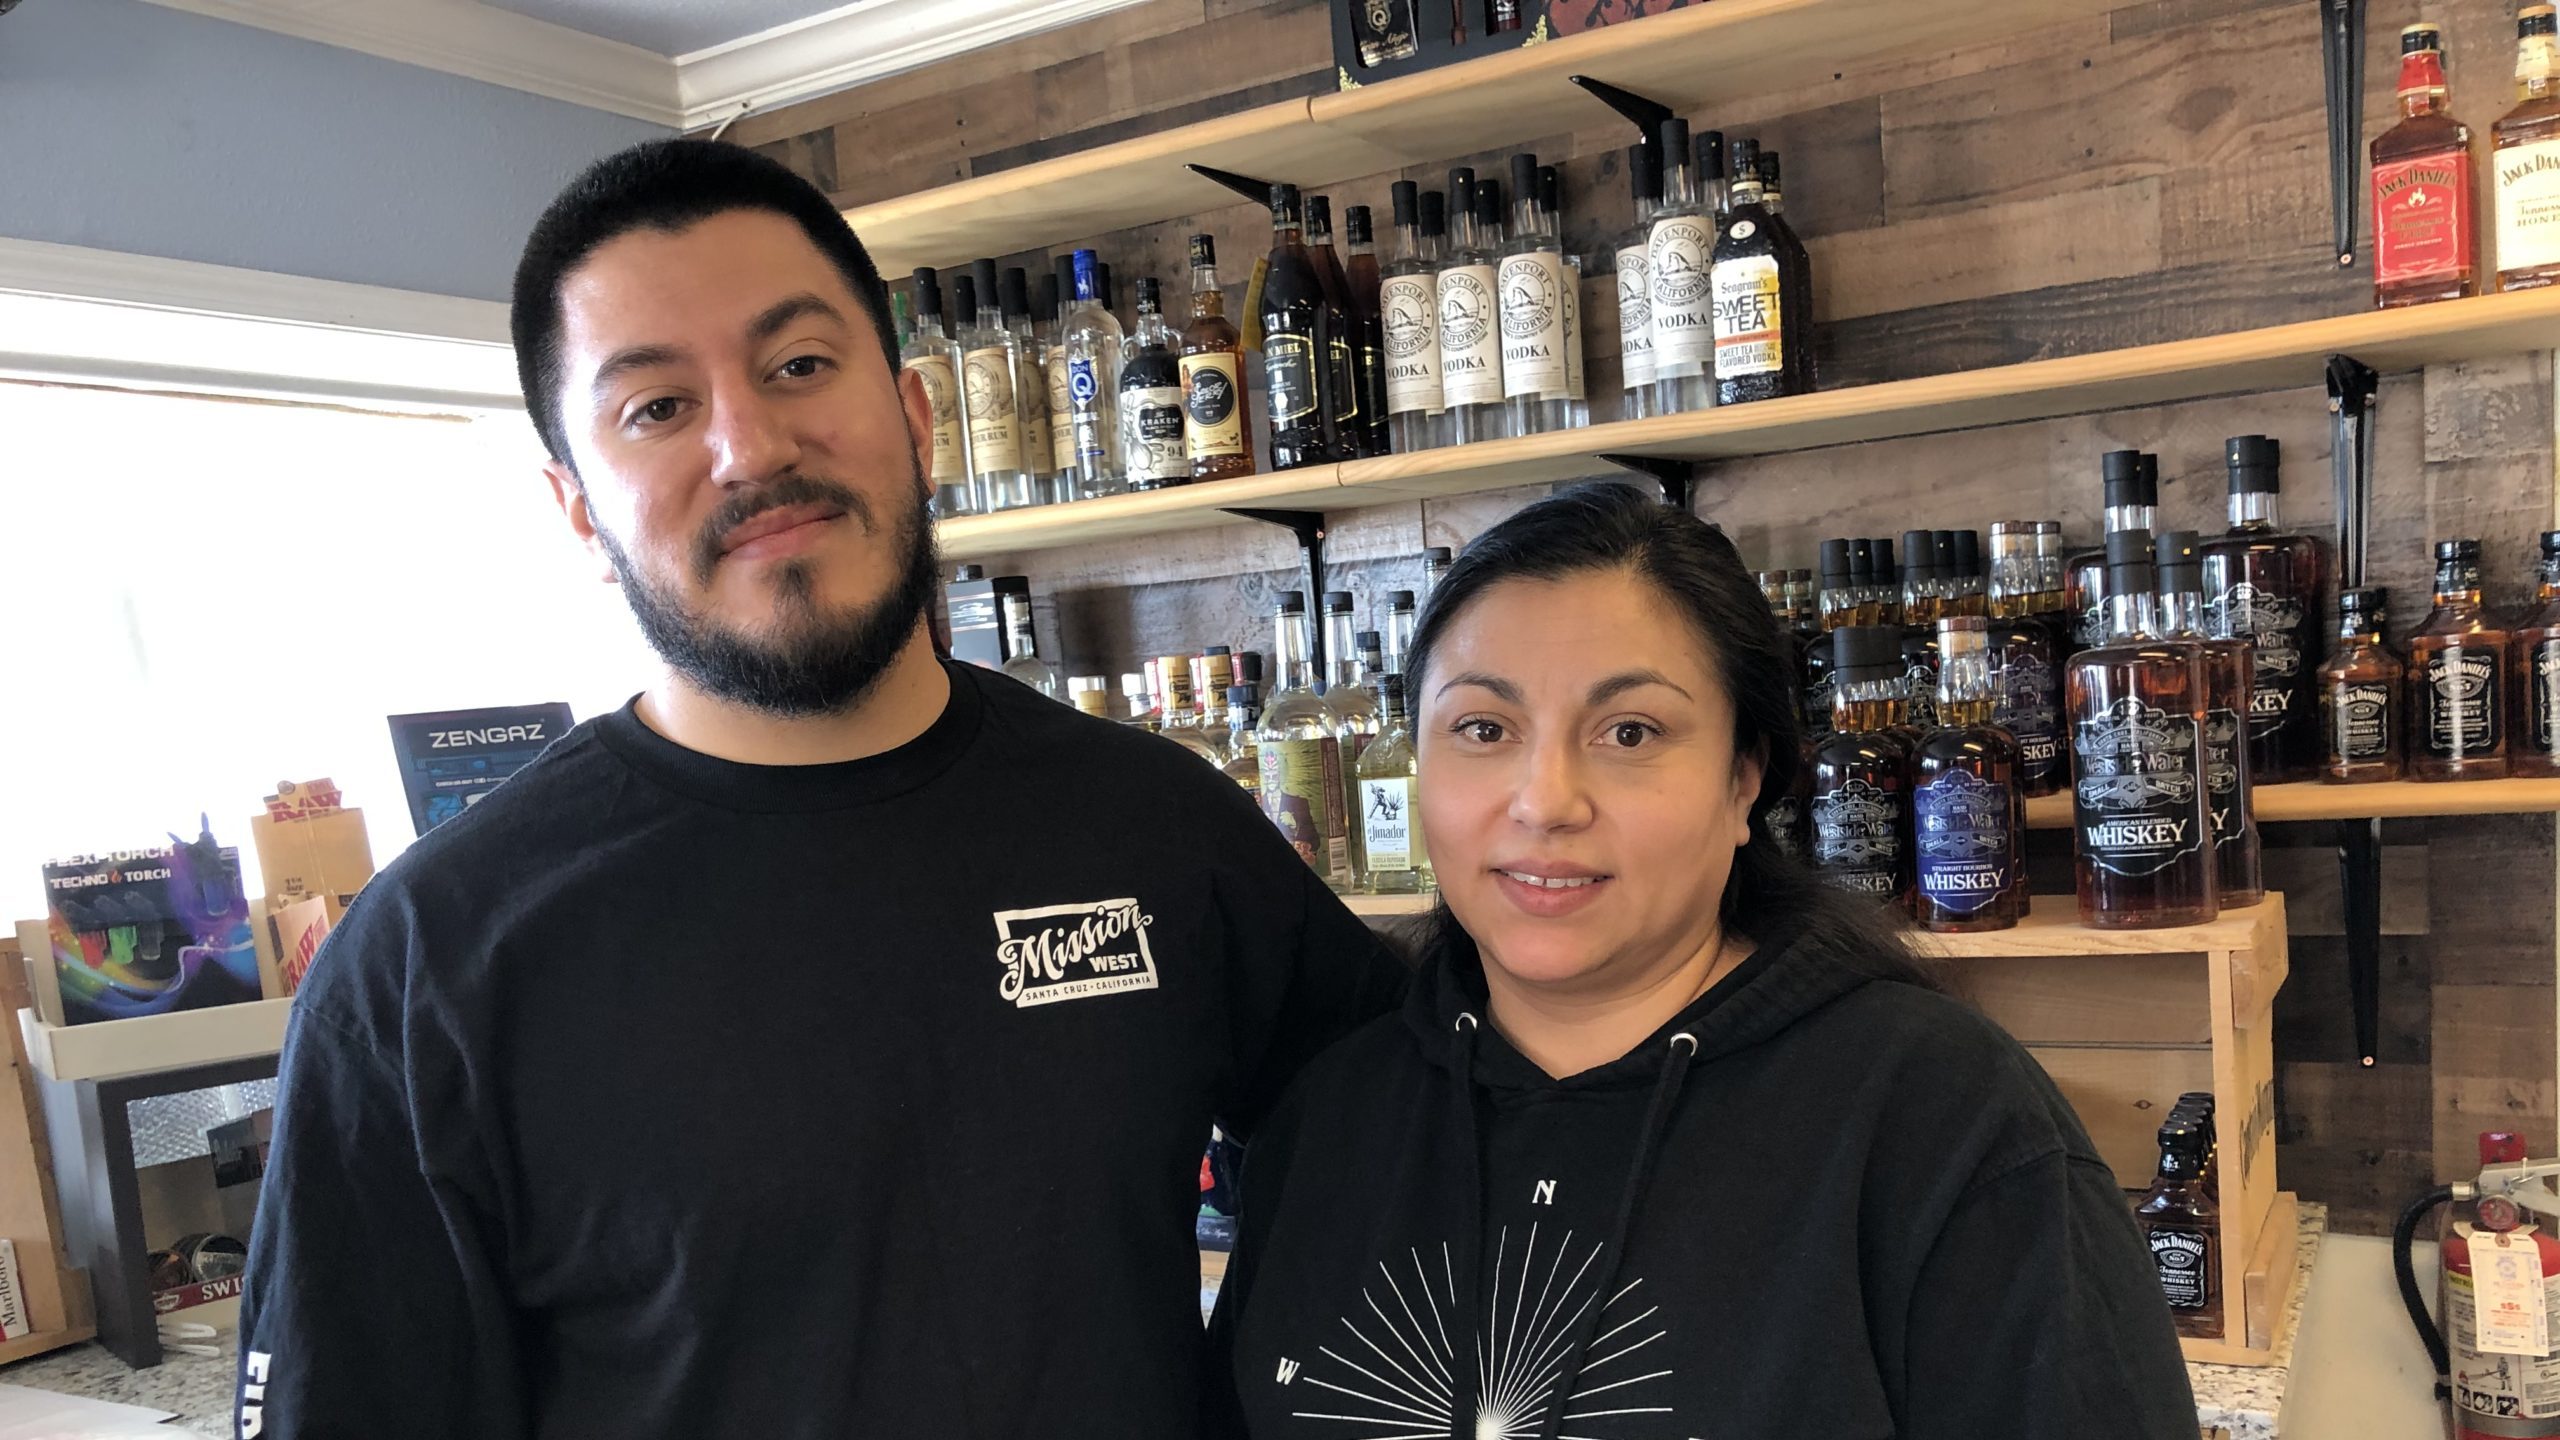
x: 1071, y: 952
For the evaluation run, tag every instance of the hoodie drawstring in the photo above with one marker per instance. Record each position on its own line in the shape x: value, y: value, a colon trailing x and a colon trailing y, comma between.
x: 1463, y: 1116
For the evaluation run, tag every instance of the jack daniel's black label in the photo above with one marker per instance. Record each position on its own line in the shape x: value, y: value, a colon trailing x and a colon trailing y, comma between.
x: 2138, y: 803
x: 2461, y: 701
x: 2360, y: 721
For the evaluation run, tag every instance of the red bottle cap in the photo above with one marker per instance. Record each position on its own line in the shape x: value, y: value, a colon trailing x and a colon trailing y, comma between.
x: 2501, y: 1147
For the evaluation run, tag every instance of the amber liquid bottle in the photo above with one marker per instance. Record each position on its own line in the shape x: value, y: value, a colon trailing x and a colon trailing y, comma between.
x: 2229, y: 678
x: 1968, y: 817
x: 2360, y: 695
x: 2262, y: 584
x: 2524, y: 159
x: 2182, y: 1227
x: 2026, y: 674
x: 1860, y: 812
x: 2537, y: 673
x: 1217, y: 432
x: 2132, y: 495
x: 2458, y: 678
x: 1368, y: 328
x: 2426, y: 240
x: 2142, y: 840
x: 1342, y: 365
x: 1298, y: 327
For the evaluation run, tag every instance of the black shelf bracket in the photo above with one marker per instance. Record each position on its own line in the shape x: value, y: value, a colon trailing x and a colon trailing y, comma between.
x: 1250, y: 187
x: 2342, y: 67
x: 1645, y: 114
x: 2354, y: 392
x: 2360, y: 879
x: 1674, y: 476
x: 1310, y: 528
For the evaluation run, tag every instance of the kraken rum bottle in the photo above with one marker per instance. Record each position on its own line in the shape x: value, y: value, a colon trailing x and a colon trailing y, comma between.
x: 1969, y: 820
x: 2458, y: 678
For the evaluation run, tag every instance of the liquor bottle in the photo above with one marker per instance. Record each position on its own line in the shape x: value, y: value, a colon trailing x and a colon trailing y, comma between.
x: 2195, y: 1108
x: 1301, y: 754
x: 1577, y: 400
x: 935, y: 360
x: 2425, y: 237
x: 964, y: 331
x: 2524, y: 159
x: 1435, y: 563
x: 1140, y: 698
x: 1092, y: 344
x: 2230, y: 795
x: 1882, y: 604
x: 1368, y: 330
x: 1921, y: 609
x: 2359, y: 688
x: 1391, y: 859
x: 2142, y: 842
x: 1342, y: 366
x: 1186, y: 717
x: 1752, y: 323
x: 2183, y: 1229
x: 1151, y: 398
x: 1031, y: 387
x: 1531, y: 286
x: 1384, y: 31
x: 1400, y: 621
x: 1635, y: 291
x: 1969, y: 590
x: 1354, y: 709
x: 2053, y: 584
x: 1470, y: 324
x: 2262, y: 584
x: 1923, y: 591
x: 1435, y: 246
x: 1861, y: 807
x: 2026, y: 670
x: 2132, y: 495
x: 1090, y: 694
x: 2537, y: 672
x: 1243, y: 763
x: 1836, y: 609
x: 1022, y: 650
x: 1058, y: 285
x: 991, y: 373
x: 1409, y: 317
x: 1679, y: 256
x: 1217, y: 429
x: 1297, y: 335
x: 1968, y: 819
x: 1501, y: 17
x: 1787, y: 820
x: 1796, y: 266
x: 2458, y: 678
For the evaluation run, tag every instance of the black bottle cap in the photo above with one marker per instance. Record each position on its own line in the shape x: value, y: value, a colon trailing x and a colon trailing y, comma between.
x: 1435, y: 214
x: 2550, y: 544
x: 1746, y: 158
x: 1437, y: 555
x: 1062, y: 268
x: 2367, y: 601
x: 1769, y: 169
x: 1366, y: 639
x: 1102, y: 282
x: 1399, y: 600
x: 2118, y: 466
x: 1016, y: 293
x: 1249, y: 663
x: 1524, y: 175
x: 1355, y: 225
x: 1942, y: 554
x: 1320, y: 214
x: 1337, y: 602
x: 1711, y: 156
x: 2132, y: 478
x: 1915, y: 546
x: 1673, y: 134
x: 983, y: 271
x: 964, y: 297
x: 2416, y: 38
x: 1218, y: 650
x: 1883, y: 551
x: 2175, y: 555
x: 2253, y: 461
x: 1550, y: 190
x: 928, y: 288
x: 969, y: 572
x: 1462, y: 189
x: 1293, y: 602
x: 1391, y: 689
x: 1866, y: 652
x: 2129, y: 567
x: 1150, y: 293
x: 1284, y: 203
x: 1204, y: 251
x: 1644, y: 171
x: 1488, y: 202
x: 1969, y: 553
x: 2457, y: 550
x: 1047, y: 311
x: 1835, y: 562
x: 2535, y: 20
x: 1404, y: 198
x: 1239, y: 697
x: 1862, y: 561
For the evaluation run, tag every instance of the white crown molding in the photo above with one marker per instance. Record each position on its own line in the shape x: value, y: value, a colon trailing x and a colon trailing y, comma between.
x: 74, y: 272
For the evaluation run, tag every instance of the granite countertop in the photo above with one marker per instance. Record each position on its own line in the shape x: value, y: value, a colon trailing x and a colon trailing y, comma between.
x: 2245, y: 1400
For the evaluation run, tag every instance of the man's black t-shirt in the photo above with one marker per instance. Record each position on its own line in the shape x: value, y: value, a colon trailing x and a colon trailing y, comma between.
x: 659, y: 1095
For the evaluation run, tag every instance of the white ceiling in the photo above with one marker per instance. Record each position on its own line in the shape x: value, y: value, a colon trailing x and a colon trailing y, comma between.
x: 672, y: 27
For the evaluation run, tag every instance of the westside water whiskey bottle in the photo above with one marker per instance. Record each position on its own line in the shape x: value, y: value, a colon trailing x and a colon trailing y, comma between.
x: 2457, y: 678
x: 1151, y: 399
x: 2132, y: 495
x: 1861, y: 805
x: 1968, y: 819
x: 934, y: 359
x: 2425, y: 233
x: 1752, y: 325
x: 1217, y: 426
x: 2142, y: 842
x: 2026, y: 673
x: 1300, y: 753
x: 1409, y: 314
x: 1679, y: 265
x: 1470, y: 323
x: 1297, y: 333
x: 2537, y: 672
x: 2229, y: 796
x: 1635, y: 291
x: 2182, y: 1227
x: 1531, y: 285
x: 2524, y: 159
x: 2262, y: 584
x: 2359, y: 687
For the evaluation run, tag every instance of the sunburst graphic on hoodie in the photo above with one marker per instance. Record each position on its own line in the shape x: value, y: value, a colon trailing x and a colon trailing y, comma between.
x: 1399, y: 1376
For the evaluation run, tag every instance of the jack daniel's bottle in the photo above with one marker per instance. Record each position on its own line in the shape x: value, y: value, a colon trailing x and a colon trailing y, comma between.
x: 2457, y: 678
x: 2537, y: 672
x: 2142, y: 840
x: 2360, y: 695
x: 2182, y: 1227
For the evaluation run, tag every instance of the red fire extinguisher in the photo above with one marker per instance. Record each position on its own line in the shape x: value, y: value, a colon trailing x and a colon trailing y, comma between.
x: 2499, y: 1299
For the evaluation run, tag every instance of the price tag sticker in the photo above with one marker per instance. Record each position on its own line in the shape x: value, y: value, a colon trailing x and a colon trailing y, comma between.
x: 2506, y: 1275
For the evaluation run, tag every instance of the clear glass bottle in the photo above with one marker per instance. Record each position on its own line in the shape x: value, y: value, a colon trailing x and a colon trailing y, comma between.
x: 1090, y: 694
x: 1151, y: 399
x: 2262, y: 584
x: 1401, y: 614
x: 1470, y: 324
x: 1368, y: 329
x: 2132, y: 495
x: 1300, y: 751
x: 2537, y: 672
x: 1577, y: 399
x: 1635, y: 290
x: 1532, y: 283
x: 2026, y: 671
x: 1967, y: 815
x: 2230, y: 794
x: 991, y: 375
x: 1390, y: 859
x: 2182, y: 1228
x: 1297, y: 335
x: 2458, y: 678
x: 2359, y: 687
x: 1679, y: 265
x: 1022, y: 650
x: 1141, y: 700
x: 2524, y: 159
x: 1354, y: 709
x: 1186, y: 717
x: 2426, y: 233
x: 1092, y: 344
x: 1058, y: 285
x: 1435, y: 563
x: 1861, y: 800
x: 1409, y: 315
x: 1342, y: 350
x: 2142, y: 841
x: 1031, y: 387
x: 935, y: 359
x: 1244, y: 762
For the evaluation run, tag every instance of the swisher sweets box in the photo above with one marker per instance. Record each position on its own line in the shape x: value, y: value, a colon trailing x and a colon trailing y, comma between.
x: 147, y: 932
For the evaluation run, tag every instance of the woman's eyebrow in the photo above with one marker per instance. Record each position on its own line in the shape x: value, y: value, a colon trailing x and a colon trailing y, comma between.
x: 1626, y: 680
x: 1502, y: 689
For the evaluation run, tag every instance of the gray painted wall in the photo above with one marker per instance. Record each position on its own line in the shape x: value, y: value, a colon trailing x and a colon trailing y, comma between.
x: 127, y: 126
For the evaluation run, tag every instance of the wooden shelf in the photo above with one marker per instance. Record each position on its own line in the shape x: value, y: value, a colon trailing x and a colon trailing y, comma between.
x: 1389, y: 907
x: 1690, y: 58
x: 2389, y: 800
x: 2279, y: 357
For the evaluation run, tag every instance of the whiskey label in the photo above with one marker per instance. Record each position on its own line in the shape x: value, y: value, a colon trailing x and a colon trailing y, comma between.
x: 1817, y: 707
x: 1747, y: 318
x: 1155, y: 456
x: 1533, y: 326
x: 942, y: 393
x: 1094, y: 433
x: 2091, y: 631
x: 1470, y: 337
x: 995, y: 428
x: 1968, y: 851
x: 1302, y: 793
x: 2527, y: 185
x: 1342, y: 371
x: 1635, y: 318
x: 1214, y: 422
x: 1390, y: 826
x: 1684, y: 318
x: 1572, y: 331
x: 2360, y: 721
x: 2222, y: 752
x: 2422, y: 217
x: 2027, y: 703
x: 1857, y: 836
x: 2184, y: 1259
x: 2520, y: 1387
x: 1289, y: 379
x: 2139, y: 803
x: 2272, y: 624
x: 1062, y: 428
x: 2542, y: 672
x: 2459, y: 696
x: 1039, y: 446
x: 1409, y: 308
x: 1785, y: 819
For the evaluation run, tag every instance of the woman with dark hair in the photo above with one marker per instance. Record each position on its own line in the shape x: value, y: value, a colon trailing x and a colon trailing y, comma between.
x: 1671, y: 1139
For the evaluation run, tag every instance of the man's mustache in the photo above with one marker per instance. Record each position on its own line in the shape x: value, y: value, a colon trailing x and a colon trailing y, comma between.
x: 792, y: 489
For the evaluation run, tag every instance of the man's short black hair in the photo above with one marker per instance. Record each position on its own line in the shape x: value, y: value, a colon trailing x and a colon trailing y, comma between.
x: 663, y: 185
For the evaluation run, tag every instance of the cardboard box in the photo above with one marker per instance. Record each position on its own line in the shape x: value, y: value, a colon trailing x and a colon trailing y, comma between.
x: 299, y: 929
x: 13, y: 1296
x: 327, y: 854
x: 147, y: 932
